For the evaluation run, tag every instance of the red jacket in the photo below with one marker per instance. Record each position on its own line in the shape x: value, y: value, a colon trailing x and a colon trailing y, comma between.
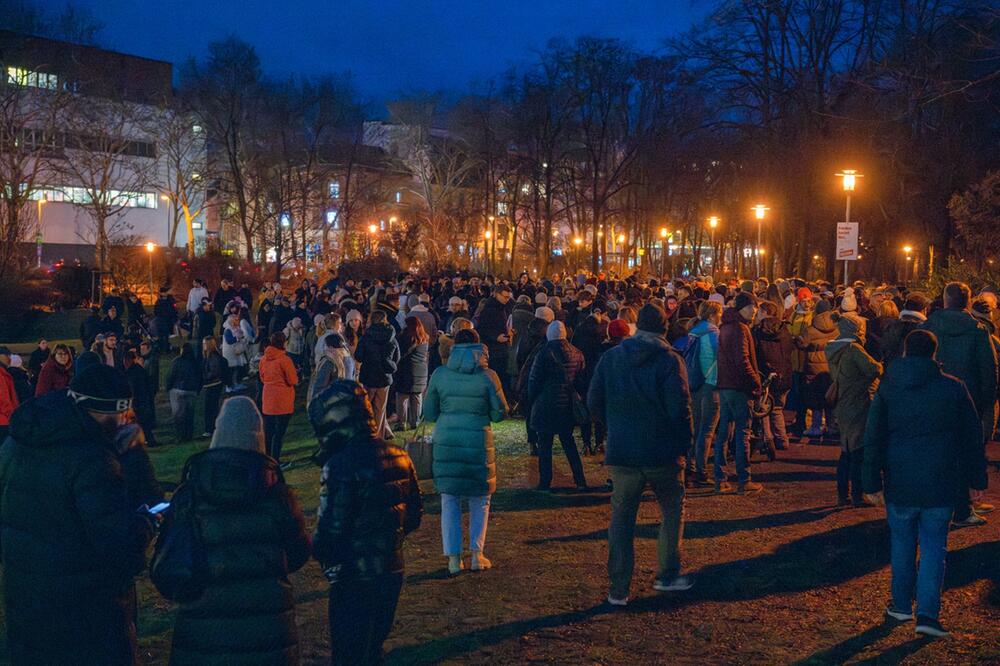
x: 8, y: 396
x: 52, y: 377
x: 737, y: 358
x: 277, y: 374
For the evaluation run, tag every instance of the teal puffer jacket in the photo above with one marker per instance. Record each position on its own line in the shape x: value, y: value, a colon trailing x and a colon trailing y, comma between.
x: 462, y: 399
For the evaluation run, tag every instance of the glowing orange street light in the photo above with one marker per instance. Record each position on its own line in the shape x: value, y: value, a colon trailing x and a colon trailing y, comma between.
x: 849, y: 179
x: 488, y: 234
x: 578, y: 241
x: 663, y: 232
x: 372, y: 228
x: 759, y: 211
x: 150, y: 246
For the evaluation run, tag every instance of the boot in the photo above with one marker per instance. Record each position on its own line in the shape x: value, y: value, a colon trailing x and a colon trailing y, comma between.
x: 479, y: 561
x: 455, y: 565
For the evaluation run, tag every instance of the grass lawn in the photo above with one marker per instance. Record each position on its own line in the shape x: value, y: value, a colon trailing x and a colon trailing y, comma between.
x: 781, y: 577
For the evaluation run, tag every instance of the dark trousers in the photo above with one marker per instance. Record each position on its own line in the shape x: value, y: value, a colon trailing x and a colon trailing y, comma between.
x: 213, y: 401
x: 3, y: 432
x: 849, y: 471
x: 545, y: 441
x: 593, y: 429
x: 361, y: 614
x: 275, y: 426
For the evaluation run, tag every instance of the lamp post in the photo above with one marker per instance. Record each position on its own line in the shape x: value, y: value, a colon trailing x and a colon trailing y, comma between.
x: 908, y: 250
x: 492, y: 234
x: 372, y: 230
x: 850, y: 180
x: 759, y: 211
x: 150, y: 247
x: 487, y: 250
x: 713, y: 222
x: 621, y: 252
x: 38, y: 236
x: 578, y: 242
x: 664, y: 238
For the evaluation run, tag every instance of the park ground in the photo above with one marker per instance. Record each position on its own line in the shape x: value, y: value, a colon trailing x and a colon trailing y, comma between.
x: 781, y: 577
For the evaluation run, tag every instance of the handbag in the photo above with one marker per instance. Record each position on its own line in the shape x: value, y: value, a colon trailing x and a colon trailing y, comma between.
x: 179, y: 569
x: 420, y: 448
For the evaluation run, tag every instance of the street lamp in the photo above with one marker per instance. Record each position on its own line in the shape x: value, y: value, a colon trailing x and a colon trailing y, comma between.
x: 759, y: 210
x: 908, y: 251
x: 713, y: 222
x: 150, y: 247
x: 849, y: 178
x: 373, y: 229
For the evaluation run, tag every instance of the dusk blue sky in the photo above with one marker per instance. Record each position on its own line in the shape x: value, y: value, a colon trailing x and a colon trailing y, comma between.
x: 390, y: 46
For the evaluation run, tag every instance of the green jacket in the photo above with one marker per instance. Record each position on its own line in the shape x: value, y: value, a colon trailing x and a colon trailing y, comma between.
x: 966, y: 351
x: 856, y: 375
x: 462, y: 399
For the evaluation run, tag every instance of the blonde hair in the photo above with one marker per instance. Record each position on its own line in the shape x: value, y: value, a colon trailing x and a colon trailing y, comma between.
x: 709, y: 309
x: 887, y: 308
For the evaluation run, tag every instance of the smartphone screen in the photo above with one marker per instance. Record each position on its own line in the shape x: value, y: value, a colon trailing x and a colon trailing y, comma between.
x: 159, y: 508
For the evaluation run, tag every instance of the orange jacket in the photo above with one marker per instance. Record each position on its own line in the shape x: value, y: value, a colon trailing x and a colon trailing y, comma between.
x: 277, y: 374
x: 8, y: 396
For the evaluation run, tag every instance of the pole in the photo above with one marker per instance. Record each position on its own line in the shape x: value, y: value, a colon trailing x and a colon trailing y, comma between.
x: 847, y: 218
x: 150, y: 274
x: 758, y: 246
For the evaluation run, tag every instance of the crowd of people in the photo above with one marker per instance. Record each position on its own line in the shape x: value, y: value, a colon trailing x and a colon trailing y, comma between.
x: 678, y: 383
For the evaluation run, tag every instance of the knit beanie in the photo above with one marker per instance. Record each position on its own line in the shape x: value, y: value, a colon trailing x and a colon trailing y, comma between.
x: 717, y: 298
x: 851, y: 325
x: 823, y: 306
x: 743, y: 299
x: 544, y: 313
x: 555, y: 331
x: 618, y: 328
x: 747, y: 286
x: 541, y: 298
x: 652, y: 319
x: 353, y: 314
x: 849, y: 302
x: 239, y: 426
x: 101, y: 388
x: 803, y: 294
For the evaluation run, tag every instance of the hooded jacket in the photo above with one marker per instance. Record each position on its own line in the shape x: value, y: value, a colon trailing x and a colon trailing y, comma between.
x: 556, y: 373
x: 253, y: 536
x: 737, y: 361
x: 278, y: 377
x: 966, y: 351
x: 69, y: 540
x: 370, y: 497
x: 8, y: 396
x: 640, y: 392
x: 923, y: 439
x: 821, y: 330
x: 774, y: 352
x: 491, y: 322
x: 856, y: 375
x: 53, y: 377
x: 463, y: 398
x: 378, y: 354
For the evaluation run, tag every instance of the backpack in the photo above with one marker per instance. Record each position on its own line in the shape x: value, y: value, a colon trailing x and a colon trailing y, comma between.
x: 179, y: 569
x: 692, y: 361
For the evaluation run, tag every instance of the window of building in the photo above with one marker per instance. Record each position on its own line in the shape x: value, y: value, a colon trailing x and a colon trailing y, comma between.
x: 381, y: 224
x: 501, y: 208
x: 31, y: 79
x: 333, y: 219
x: 399, y: 196
x: 81, y: 196
x: 334, y: 189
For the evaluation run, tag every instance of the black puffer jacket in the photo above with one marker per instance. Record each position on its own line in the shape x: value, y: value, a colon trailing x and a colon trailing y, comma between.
x: 370, y: 498
x: 774, y: 352
x: 534, y: 336
x: 70, y: 540
x: 254, y: 535
x: 551, y: 383
x: 378, y: 354
x: 491, y: 322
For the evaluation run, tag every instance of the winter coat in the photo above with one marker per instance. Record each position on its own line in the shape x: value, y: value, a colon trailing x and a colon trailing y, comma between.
x: 215, y: 370
x: 411, y: 370
x: 427, y: 319
x: 588, y: 336
x: 90, y: 328
x: 70, y: 540
x: 222, y: 298
x: 463, y: 398
x: 22, y: 384
x: 520, y: 323
x: 278, y: 377
x: 235, y: 343
x: 552, y: 381
x: 923, y: 439
x: 369, y: 501
x: 141, y: 486
x: 798, y: 324
x: 142, y: 397
x: 253, y: 536
x: 184, y: 374
x: 815, y: 368
x: 966, y: 352
x: 378, y: 354
x: 774, y: 352
x: 53, y: 377
x: 535, y: 336
x: 295, y: 339
x: 204, y: 325
x: 737, y: 356
x: 328, y: 370
x: 640, y: 392
x: 491, y: 322
x: 856, y: 375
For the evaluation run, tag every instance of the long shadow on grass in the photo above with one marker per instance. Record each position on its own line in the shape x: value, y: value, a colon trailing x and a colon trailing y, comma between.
x: 807, y: 462
x: 814, y: 562
x: 783, y: 477
x: 846, y: 649
x: 708, y: 529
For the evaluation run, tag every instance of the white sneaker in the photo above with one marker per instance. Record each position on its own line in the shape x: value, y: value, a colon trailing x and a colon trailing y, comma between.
x: 617, y: 602
x: 895, y: 614
x: 679, y: 584
x: 974, y: 520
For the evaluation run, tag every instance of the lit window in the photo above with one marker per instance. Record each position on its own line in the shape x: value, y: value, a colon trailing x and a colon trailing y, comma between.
x: 381, y: 224
x: 25, y: 77
x: 501, y: 208
x: 333, y: 219
x: 334, y: 189
x: 197, y: 129
x: 286, y: 221
x: 399, y: 196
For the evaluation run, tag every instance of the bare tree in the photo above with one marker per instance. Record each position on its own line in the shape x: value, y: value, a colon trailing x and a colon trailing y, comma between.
x: 184, y: 165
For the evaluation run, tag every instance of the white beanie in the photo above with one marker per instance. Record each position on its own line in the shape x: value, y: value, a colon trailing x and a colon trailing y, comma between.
x: 545, y: 313
x: 455, y: 300
x: 717, y: 298
x: 541, y: 298
x: 354, y: 314
x: 849, y: 303
x: 555, y: 331
x: 591, y: 288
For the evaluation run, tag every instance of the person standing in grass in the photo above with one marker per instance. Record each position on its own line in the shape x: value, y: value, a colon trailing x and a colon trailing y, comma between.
x: 215, y: 372
x: 923, y: 447
x: 463, y: 398
x: 410, y: 379
x: 279, y: 379
x: 183, y: 384
x: 640, y: 393
x: 378, y: 355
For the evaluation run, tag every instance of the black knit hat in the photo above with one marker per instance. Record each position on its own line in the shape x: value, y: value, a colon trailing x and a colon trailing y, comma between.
x: 101, y: 388
x: 744, y: 299
x: 652, y: 319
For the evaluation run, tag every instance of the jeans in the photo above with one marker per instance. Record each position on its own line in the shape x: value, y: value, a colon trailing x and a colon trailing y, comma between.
x: 735, y: 410
x: 408, y: 407
x: 361, y: 611
x: 379, y: 397
x: 182, y: 410
x: 275, y: 426
x: 849, y: 469
x: 545, y: 441
x: 629, y: 482
x: 213, y: 401
x: 908, y: 527
x: 774, y: 424
x: 451, y: 523
x: 705, y: 416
